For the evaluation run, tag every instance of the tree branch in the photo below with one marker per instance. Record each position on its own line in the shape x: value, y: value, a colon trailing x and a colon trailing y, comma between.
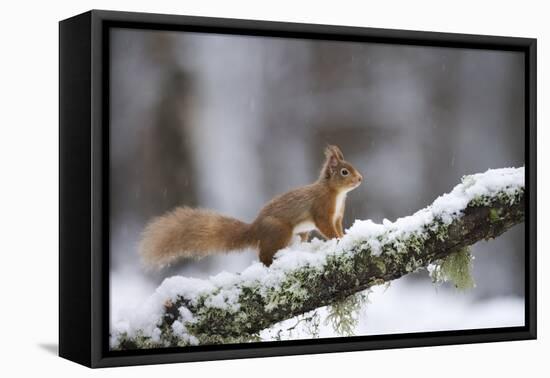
x: 236, y: 307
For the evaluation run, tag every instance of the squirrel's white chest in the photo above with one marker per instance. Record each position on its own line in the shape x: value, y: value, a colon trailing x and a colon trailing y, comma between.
x: 307, y: 226
x: 339, y: 206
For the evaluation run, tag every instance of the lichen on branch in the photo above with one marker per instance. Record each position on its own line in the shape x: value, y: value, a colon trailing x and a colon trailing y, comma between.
x: 455, y: 268
x: 234, y: 308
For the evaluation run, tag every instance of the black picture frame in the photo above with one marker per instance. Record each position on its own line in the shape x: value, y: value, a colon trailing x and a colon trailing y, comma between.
x: 84, y: 187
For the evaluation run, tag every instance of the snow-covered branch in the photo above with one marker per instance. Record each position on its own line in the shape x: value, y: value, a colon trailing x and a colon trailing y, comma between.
x: 236, y: 307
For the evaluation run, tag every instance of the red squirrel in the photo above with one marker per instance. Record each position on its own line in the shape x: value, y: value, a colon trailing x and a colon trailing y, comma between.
x: 194, y: 233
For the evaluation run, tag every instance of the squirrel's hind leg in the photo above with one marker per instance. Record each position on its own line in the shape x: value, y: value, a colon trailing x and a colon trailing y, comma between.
x: 274, y: 236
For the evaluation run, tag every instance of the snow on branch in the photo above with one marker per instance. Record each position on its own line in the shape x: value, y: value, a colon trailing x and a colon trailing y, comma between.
x: 236, y: 307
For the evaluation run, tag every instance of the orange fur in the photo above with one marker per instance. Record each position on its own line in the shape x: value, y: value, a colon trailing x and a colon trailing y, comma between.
x: 195, y: 233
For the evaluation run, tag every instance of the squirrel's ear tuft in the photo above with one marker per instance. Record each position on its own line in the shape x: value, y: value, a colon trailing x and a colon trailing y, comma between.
x: 333, y: 150
x: 334, y: 156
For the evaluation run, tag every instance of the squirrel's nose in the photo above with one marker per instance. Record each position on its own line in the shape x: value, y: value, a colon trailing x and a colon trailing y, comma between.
x: 359, y: 178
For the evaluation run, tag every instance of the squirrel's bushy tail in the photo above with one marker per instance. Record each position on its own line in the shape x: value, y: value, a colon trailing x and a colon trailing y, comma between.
x: 191, y: 233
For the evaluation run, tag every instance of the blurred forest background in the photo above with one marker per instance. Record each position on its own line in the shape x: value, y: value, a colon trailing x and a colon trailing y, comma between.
x: 227, y: 122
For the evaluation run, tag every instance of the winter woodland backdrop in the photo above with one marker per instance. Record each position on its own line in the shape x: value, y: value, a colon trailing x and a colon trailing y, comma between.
x: 227, y: 122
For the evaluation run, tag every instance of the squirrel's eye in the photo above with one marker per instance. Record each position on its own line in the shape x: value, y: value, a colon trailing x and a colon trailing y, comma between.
x: 344, y: 172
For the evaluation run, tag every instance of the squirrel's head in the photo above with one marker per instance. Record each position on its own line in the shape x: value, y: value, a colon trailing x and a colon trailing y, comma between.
x: 340, y: 174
